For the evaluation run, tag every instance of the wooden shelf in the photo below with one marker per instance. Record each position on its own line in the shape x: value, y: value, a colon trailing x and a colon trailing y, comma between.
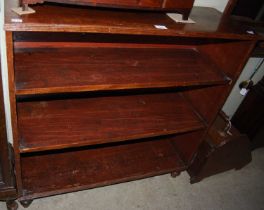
x: 88, y: 168
x: 112, y: 67
x: 60, y: 18
x: 46, y: 125
x: 102, y: 96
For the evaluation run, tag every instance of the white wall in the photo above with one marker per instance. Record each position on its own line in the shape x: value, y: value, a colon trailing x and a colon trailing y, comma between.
x: 235, y: 98
x: 218, y: 4
x: 4, y: 73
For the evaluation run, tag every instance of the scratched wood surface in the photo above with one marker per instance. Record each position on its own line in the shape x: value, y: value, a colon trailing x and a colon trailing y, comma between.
x: 111, y: 67
x: 91, y: 167
x: 57, y: 124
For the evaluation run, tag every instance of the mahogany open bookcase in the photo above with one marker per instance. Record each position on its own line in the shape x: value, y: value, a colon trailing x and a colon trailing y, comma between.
x: 102, y: 96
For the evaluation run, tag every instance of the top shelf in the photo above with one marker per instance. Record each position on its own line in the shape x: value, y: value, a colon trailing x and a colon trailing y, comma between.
x: 61, y: 18
x: 79, y: 67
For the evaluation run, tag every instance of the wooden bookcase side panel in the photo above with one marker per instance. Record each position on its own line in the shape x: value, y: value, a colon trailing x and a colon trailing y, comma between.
x: 79, y: 169
x: 207, y: 101
x: 231, y: 59
x: 12, y: 97
x: 187, y: 145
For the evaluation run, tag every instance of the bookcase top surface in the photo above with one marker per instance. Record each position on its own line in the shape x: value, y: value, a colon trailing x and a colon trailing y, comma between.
x: 65, y: 18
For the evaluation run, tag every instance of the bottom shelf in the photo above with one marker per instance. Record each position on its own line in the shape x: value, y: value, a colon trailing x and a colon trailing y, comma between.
x: 57, y: 172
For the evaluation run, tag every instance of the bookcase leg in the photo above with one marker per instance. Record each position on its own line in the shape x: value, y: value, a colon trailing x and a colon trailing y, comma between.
x: 11, y: 205
x: 175, y: 174
x: 26, y: 203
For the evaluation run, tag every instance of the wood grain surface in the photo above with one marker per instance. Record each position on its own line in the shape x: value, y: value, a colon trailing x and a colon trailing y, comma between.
x: 111, y: 67
x: 92, y: 167
x: 57, y: 124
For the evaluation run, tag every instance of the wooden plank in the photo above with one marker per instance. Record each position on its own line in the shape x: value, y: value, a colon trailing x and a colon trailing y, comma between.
x: 92, y: 167
x: 46, y: 125
x: 13, y: 108
x: 61, y: 18
x: 111, y: 67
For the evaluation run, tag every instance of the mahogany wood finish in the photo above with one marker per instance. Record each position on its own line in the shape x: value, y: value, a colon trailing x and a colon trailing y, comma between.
x: 188, y: 144
x: 215, y: 97
x: 155, y: 93
x: 11, y: 82
x: 111, y: 68
x: 89, y: 167
x: 63, y: 19
x: 65, y: 123
x: 182, y: 6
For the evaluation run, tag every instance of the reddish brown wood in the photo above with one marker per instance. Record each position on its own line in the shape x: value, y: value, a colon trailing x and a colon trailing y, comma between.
x: 109, y: 67
x: 188, y: 144
x: 66, y: 123
x: 115, y: 39
x: 63, y: 19
x: 182, y: 6
x: 213, y: 98
x: 87, y: 168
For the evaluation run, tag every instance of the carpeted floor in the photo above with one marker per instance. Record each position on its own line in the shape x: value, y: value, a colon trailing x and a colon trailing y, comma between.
x: 241, y: 190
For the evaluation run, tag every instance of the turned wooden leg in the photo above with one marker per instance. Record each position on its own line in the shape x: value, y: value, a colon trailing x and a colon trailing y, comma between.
x: 175, y: 173
x: 11, y: 205
x: 26, y: 203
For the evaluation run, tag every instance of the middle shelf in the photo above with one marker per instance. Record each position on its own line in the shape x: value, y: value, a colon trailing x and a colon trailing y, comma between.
x: 55, y: 124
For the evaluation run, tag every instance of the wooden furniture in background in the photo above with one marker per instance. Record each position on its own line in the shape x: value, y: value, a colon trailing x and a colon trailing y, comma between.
x: 7, y: 184
x: 249, y: 117
x: 97, y: 101
x: 251, y: 10
x: 225, y: 148
x: 182, y: 6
